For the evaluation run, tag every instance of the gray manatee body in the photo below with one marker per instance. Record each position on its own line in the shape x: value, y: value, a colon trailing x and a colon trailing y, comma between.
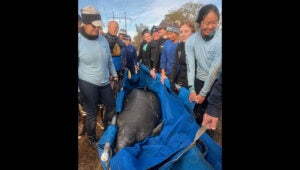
x: 140, y: 118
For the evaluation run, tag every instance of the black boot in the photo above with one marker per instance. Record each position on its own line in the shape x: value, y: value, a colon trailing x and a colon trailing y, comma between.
x: 93, y: 143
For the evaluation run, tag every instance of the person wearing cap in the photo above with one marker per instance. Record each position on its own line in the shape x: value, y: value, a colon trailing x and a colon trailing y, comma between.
x: 179, y: 70
x: 131, y: 56
x: 162, y: 33
x: 117, y: 47
x: 168, y: 52
x: 122, y: 34
x: 162, y: 30
x: 152, y: 48
x: 94, y: 67
x: 142, y: 56
x: 204, y: 52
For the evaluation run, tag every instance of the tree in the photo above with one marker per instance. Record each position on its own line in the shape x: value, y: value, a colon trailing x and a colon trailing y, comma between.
x: 186, y: 11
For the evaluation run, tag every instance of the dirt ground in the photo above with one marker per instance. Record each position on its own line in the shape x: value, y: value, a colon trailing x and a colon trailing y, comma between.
x: 88, y: 158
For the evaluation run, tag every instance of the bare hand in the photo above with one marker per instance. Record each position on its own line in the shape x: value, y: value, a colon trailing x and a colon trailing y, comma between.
x: 210, y: 121
x: 199, y: 99
x: 162, y: 78
x: 152, y: 73
x: 136, y: 68
x: 192, y: 96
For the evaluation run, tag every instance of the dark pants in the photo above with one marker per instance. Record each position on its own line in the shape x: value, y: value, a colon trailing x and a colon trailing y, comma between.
x: 199, y: 109
x: 91, y: 95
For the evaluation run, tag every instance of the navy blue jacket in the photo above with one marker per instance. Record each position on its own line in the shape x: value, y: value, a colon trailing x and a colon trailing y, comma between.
x: 131, y: 58
x: 214, y: 107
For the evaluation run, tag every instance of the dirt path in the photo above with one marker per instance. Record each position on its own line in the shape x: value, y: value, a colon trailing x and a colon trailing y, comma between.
x: 88, y: 158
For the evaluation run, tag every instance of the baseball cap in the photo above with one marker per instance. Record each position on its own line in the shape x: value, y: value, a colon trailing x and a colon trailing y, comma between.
x: 122, y: 31
x: 89, y: 14
x: 128, y: 37
x: 145, y: 31
x: 154, y: 29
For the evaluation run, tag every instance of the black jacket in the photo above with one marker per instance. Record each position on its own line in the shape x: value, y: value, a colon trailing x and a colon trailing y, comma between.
x: 214, y: 107
x: 179, y: 70
x: 160, y: 45
x: 142, y: 54
x: 152, y: 51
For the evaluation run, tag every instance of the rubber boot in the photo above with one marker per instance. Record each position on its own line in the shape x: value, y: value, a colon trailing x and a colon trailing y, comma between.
x: 100, y: 116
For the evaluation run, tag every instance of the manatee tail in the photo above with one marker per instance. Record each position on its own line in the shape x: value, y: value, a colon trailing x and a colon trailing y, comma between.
x: 157, y: 129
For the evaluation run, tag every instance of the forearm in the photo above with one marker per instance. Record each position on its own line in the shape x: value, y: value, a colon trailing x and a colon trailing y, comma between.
x: 190, y: 63
x: 212, y: 75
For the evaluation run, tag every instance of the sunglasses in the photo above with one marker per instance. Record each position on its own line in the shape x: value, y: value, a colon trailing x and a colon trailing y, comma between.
x: 95, y: 26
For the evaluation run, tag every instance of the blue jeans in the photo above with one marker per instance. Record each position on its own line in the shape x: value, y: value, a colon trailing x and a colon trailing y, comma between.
x: 90, y: 96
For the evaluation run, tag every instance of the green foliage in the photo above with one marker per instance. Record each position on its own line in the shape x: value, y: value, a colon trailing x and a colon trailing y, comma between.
x: 187, y: 11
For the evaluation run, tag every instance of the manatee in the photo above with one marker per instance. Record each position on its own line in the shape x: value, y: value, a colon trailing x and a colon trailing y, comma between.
x: 140, y: 118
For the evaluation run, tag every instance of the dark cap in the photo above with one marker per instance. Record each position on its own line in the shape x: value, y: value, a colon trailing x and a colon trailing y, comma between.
x: 154, y: 29
x: 145, y: 31
x: 128, y: 37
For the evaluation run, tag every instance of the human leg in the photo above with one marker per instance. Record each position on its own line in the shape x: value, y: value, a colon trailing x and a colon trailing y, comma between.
x: 90, y: 98
x: 107, y: 97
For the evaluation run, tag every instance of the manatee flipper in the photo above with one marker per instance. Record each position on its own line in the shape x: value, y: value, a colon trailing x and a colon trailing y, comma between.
x: 129, y: 74
x: 157, y: 129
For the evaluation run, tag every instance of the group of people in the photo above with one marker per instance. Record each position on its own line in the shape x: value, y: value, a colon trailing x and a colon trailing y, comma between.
x: 189, y: 59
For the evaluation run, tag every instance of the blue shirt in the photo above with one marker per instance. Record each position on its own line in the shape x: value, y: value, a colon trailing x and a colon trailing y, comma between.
x: 95, y: 61
x: 131, y: 57
x: 167, y: 56
x: 208, y: 57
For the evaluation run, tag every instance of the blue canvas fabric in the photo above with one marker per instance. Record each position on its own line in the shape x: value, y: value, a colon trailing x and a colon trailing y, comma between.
x: 191, y: 160
x: 165, y: 150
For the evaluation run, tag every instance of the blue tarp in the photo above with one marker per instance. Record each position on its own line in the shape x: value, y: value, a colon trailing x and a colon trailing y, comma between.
x: 164, y: 151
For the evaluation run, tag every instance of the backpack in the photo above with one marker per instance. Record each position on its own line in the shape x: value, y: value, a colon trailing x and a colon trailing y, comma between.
x: 116, y: 51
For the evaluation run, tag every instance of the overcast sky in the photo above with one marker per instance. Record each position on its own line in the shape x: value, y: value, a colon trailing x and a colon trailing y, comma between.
x: 148, y: 12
